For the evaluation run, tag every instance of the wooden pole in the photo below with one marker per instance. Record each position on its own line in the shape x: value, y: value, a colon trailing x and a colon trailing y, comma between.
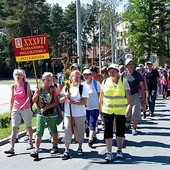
x: 71, y: 115
x: 35, y: 72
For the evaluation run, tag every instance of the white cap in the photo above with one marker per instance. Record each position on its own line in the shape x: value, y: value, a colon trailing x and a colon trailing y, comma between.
x: 148, y: 62
x: 138, y: 68
x: 114, y: 66
x: 141, y: 65
x: 128, y: 60
x: 87, y: 71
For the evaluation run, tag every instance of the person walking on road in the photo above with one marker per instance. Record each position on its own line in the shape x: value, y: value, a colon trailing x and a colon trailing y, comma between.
x: 92, y: 107
x: 46, y: 99
x: 20, y: 108
x: 153, y: 82
x: 115, y: 103
x: 74, y: 98
x: 164, y: 83
x: 136, y: 84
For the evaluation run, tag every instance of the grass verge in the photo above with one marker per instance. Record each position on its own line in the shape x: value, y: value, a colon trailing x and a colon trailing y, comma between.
x: 6, y: 132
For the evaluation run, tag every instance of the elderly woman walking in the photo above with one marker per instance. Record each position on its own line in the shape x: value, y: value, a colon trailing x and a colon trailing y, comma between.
x: 74, y: 97
x: 46, y: 100
x: 20, y: 108
x: 115, y: 102
x: 92, y: 107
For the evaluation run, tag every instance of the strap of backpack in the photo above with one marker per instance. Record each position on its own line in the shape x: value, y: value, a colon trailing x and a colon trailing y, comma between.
x: 95, y: 85
x: 25, y: 86
x: 80, y: 90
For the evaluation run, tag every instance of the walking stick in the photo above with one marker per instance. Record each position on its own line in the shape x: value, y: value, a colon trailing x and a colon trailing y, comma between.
x: 71, y: 116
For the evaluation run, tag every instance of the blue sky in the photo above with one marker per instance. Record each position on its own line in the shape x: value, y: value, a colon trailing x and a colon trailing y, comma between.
x: 65, y: 3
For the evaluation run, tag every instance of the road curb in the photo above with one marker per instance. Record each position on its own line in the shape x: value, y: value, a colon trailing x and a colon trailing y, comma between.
x: 20, y: 135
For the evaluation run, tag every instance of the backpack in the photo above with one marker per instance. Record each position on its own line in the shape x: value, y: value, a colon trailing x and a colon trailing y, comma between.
x: 95, y: 85
x: 80, y: 90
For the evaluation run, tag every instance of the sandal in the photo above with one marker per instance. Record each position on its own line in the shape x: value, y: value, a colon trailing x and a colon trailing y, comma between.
x: 66, y: 156
x: 79, y: 152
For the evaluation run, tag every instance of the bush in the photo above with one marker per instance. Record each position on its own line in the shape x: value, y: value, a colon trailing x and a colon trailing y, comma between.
x: 5, y: 120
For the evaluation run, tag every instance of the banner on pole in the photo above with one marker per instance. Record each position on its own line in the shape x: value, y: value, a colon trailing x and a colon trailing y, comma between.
x: 31, y: 48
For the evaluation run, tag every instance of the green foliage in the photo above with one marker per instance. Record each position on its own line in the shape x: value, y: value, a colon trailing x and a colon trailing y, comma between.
x: 5, y: 123
x: 146, y: 31
x: 34, y: 17
x: 4, y: 120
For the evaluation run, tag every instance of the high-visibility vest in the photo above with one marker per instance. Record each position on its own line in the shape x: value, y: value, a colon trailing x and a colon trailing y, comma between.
x: 114, y: 97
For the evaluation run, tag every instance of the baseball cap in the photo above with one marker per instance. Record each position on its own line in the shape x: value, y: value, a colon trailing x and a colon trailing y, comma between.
x: 114, y: 66
x: 148, y: 62
x: 141, y: 65
x: 138, y: 68
x: 75, y: 65
x: 128, y: 60
x: 87, y: 71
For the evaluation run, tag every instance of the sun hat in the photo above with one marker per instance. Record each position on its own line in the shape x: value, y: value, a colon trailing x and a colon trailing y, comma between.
x: 114, y: 66
x: 128, y: 60
x: 148, y: 62
x: 87, y: 71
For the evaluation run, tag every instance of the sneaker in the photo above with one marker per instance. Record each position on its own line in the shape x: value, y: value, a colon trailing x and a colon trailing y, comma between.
x: 151, y: 114
x: 94, y: 139
x: 144, y: 115
x: 66, y: 156
x: 87, y: 132
x: 30, y: 146
x: 134, y: 132
x: 54, y: 150
x: 16, y: 140
x: 90, y: 143
x: 119, y: 154
x: 10, y: 151
x: 26, y: 138
x: 79, y: 152
x: 97, y: 131
x: 109, y: 157
x: 34, y: 154
x: 103, y: 127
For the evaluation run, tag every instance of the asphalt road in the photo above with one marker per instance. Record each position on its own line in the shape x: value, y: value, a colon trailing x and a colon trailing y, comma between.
x: 149, y: 150
x: 5, y: 97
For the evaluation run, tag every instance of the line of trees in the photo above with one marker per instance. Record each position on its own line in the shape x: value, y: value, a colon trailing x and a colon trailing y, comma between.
x: 148, y: 25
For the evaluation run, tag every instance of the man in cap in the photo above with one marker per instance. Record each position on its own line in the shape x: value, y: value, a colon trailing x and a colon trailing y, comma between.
x: 135, y: 81
x: 153, y: 81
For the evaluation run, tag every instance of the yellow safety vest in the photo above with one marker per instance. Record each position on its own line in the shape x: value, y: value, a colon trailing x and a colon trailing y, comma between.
x: 114, y: 97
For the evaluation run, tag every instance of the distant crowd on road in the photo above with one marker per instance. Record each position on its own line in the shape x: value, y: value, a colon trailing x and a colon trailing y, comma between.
x: 116, y: 98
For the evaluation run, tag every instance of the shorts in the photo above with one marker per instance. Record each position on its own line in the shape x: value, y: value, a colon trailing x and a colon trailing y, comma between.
x: 120, y: 121
x: 17, y: 116
x: 92, y: 116
x: 51, y: 122
x: 165, y: 88
x: 79, y: 128
x: 136, y: 110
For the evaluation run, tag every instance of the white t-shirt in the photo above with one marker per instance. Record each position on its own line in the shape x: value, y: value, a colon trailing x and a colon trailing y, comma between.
x: 93, y: 100
x: 77, y: 110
